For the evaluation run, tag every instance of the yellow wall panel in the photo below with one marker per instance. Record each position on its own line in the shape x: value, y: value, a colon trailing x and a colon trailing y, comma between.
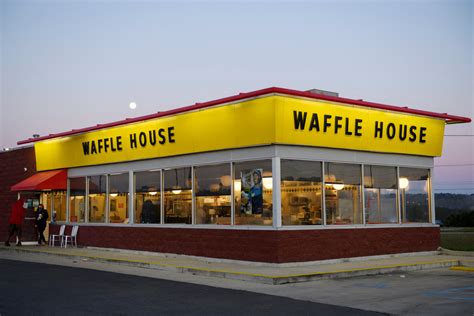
x: 265, y: 120
x: 357, y: 128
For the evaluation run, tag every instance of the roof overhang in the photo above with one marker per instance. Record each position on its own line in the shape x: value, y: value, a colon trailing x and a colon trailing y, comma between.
x: 449, y: 119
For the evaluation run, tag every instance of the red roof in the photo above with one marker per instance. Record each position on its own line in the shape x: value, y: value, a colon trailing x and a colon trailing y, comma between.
x: 47, y: 180
x: 450, y: 119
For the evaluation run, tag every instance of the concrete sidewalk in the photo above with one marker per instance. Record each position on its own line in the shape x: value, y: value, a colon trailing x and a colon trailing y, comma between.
x: 256, y: 272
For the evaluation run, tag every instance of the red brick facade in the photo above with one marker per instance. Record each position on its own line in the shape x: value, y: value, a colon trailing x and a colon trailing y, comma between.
x: 263, y: 246
x: 12, y: 171
x: 345, y: 243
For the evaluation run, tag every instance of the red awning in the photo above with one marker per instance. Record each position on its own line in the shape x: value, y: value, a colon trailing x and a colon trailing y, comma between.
x: 47, y: 180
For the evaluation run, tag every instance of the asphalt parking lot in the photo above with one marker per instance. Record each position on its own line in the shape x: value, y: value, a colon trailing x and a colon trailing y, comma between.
x: 41, y: 289
x: 428, y: 292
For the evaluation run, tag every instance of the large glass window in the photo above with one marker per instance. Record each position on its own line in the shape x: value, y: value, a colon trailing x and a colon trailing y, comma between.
x: 380, y: 194
x: 46, y: 200
x: 77, y: 196
x: 414, y: 195
x: 148, y: 197
x: 213, y: 197
x: 118, y: 198
x: 342, y: 193
x: 97, y: 198
x: 301, y: 187
x: 253, y: 192
x: 59, y: 205
x: 178, y: 195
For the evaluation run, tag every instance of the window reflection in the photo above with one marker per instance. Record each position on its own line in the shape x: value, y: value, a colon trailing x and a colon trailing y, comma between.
x: 45, y: 199
x: 97, y: 198
x: 59, y: 205
x: 301, y: 186
x: 253, y: 192
x: 342, y: 193
x: 118, y: 198
x: 77, y: 205
x: 170, y: 192
x: 380, y: 194
x: 178, y: 195
x: 212, y: 191
x: 414, y: 195
x: 148, y: 197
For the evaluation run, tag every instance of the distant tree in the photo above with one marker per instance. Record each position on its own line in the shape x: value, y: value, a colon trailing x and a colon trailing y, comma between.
x: 455, y: 201
x: 449, y: 205
x: 460, y: 220
x: 442, y: 213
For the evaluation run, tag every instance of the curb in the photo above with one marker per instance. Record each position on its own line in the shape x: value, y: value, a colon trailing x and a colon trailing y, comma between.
x: 254, y: 277
x: 462, y: 268
x: 456, y: 252
x: 276, y: 280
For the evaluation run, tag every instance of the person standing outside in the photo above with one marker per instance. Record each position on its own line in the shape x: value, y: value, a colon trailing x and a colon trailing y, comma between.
x: 40, y: 222
x: 15, y: 221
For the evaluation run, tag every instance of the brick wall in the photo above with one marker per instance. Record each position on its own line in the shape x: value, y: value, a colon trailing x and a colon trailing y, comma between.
x: 344, y: 243
x: 12, y: 164
x: 217, y: 243
x: 263, y: 246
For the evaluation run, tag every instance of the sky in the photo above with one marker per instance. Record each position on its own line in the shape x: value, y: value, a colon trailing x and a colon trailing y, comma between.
x: 72, y: 64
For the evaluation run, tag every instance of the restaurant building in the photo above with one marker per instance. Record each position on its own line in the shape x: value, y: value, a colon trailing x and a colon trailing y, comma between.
x: 274, y: 175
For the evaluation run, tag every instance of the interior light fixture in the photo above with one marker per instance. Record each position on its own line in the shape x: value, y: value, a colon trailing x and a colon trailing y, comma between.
x: 268, y: 183
x: 215, y: 187
x: 176, y: 190
x: 237, y: 185
x: 153, y: 193
x: 403, y: 183
x: 226, y: 180
x: 113, y: 194
x: 338, y: 186
x: 368, y: 180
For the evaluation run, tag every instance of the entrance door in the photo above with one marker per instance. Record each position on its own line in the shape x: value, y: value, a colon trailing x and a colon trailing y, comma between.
x: 55, y: 203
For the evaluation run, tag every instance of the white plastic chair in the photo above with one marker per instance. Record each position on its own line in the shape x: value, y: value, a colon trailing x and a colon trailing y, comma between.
x: 72, y: 239
x: 53, y: 238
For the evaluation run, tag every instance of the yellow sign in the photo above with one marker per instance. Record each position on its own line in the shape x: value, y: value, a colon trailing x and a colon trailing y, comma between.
x: 262, y: 121
x: 325, y: 124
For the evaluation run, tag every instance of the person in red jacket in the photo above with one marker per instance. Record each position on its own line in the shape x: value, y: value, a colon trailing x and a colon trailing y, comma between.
x: 16, y: 219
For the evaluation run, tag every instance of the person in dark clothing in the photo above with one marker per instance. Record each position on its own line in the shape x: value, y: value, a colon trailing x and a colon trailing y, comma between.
x: 41, y: 217
x: 149, y: 213
x: 16, y: 219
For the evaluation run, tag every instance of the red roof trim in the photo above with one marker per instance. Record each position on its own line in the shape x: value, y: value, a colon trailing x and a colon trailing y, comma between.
x: 450, y: 119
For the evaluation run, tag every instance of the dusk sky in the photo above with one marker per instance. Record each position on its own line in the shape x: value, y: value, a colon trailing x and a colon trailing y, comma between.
x: 72, y: 64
